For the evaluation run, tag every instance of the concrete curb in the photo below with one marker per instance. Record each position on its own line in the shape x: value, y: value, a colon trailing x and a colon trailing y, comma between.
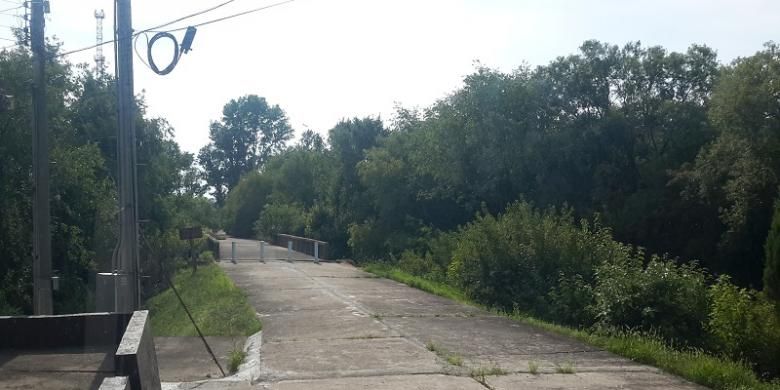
x: 249, y: 371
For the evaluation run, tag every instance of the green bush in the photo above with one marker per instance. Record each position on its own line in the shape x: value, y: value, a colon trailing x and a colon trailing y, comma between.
x: 366, y: 241
x: 571, y: 300
x: 745, y: 325
x: 662, y: 297
x: 280, y: 218
x: 206, y: 257
x: 423, y: 266
x: 519, y: 259
x: 245, y: 202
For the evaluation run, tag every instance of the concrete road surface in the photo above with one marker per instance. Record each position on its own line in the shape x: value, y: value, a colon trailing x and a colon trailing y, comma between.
x: 333, y: 326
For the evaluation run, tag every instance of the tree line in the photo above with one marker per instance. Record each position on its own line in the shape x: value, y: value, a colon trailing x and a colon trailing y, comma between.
x: 619, y: 187
x: 84, y: 206
x: 675, y: 152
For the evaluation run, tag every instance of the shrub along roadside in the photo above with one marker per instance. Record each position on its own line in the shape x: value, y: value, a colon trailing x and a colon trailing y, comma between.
x: 546, y: 265
x: 692, y: 364
x: 217, y: 305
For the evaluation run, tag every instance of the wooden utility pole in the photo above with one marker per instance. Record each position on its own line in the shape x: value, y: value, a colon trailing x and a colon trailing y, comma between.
x: 42, y: 299
x: 127, y: 284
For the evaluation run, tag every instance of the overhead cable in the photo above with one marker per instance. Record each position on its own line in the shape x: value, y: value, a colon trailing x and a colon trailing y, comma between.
x: 188, y: 16
x: 233, y: 15
x: 177, y: 29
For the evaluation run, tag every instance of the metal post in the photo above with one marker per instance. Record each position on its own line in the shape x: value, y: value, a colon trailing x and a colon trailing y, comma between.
x: 42, y: 299
x: 262, y: 251
x: 289, y: 250
x: 127, y: 297
x: 316, y: 252
x: 233, y: 252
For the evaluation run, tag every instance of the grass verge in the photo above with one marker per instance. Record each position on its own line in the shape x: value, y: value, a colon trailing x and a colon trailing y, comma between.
x: 217, y: 305
x: 696, y: 366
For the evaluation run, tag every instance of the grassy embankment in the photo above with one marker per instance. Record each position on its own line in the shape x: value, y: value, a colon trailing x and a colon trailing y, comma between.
x: 696, y: 366
x: 217, y: 305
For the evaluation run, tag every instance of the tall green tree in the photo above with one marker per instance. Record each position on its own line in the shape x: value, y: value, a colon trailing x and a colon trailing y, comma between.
x: 737, y: 173
x: 249, y: 133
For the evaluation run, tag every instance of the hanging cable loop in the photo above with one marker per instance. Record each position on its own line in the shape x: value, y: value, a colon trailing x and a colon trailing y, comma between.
x: 176, y: 53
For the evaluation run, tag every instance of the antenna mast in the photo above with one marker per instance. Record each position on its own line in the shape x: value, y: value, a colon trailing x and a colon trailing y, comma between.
x: 100, y: 59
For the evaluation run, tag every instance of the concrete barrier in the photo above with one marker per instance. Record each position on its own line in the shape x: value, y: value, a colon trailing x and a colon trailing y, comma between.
x: 136, y: 358
x: 128, y: 334
x: 115, y: 383
x: 62, y: 331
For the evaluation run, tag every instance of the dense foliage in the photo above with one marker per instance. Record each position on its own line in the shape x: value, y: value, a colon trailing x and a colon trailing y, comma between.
x: 248, y: 134
x: 82, y: 117
x: 772, y: 250
x: 676, y: 153
x: 551, y: 189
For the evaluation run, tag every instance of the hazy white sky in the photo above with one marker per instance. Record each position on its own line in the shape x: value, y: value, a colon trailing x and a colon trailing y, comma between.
x: 323, y: 60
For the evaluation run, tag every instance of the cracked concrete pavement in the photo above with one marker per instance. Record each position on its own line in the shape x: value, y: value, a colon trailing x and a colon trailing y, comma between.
x: 333, y: 326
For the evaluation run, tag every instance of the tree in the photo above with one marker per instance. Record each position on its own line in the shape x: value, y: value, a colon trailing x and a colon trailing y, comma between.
x: 249, y: 132
x: 350, y: 140
x: 311, y: 141
x: 245, y: 203
x: 772, y: 258
x: 737, y: 173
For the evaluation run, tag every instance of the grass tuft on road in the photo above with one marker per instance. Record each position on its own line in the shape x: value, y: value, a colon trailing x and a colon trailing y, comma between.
x: 697, y: 366
x: 217, y: 305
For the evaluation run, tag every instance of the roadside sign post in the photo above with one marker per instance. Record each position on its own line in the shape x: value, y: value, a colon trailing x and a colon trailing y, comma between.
x: 262, y: 251
x: 191, y: 234
x: 233, y: 252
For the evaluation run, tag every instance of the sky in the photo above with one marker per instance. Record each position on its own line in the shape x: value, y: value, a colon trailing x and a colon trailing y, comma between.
x: 325, y: 60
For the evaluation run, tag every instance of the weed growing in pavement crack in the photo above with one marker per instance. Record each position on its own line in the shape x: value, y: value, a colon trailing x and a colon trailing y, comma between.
x: 237, y: 357
x: 480, y: 374
x: 564, y: 368
x: 533, y: 367
x: 451, y: 357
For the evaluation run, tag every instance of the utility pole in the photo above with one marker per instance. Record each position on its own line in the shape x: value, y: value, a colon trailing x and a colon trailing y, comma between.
x: 127, y: 284
x: 42, y: 299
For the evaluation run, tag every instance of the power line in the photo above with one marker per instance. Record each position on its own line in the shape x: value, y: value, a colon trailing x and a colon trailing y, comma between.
x: 233, y: 16
x: 178, y: 29
x: 189, y: 16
